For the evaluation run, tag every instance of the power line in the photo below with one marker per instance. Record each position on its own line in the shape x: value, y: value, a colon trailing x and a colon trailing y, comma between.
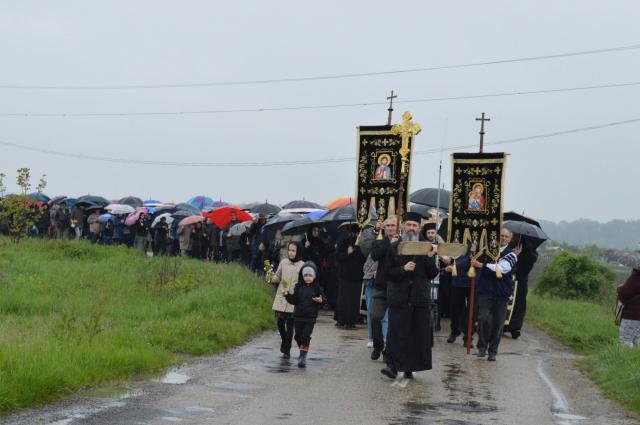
x: 303, y: 162
x: 321, y: 77
x: 307, y: 107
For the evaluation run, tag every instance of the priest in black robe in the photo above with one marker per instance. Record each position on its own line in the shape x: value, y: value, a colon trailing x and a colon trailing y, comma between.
x: 410, y: 335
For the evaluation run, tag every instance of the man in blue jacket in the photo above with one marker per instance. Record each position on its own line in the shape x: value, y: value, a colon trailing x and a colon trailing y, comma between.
x: 495, y: 284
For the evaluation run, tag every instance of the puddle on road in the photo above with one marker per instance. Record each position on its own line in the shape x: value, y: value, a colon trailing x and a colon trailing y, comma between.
x: 173, y: 377
x: 111, y: 392
x: 234, y: 386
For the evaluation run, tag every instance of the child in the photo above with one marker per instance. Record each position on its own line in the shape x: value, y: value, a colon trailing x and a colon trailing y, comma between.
x: 287, y: 277
x: 308, y: 297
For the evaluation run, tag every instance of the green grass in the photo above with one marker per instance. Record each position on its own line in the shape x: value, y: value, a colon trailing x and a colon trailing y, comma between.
x: 75, y: 315
x: 588, y: 328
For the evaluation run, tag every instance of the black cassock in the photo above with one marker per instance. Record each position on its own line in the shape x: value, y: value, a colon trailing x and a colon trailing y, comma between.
x: 410, y: 335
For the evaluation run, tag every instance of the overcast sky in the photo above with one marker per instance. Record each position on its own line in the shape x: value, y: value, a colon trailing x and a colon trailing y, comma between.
x: 70, y: 43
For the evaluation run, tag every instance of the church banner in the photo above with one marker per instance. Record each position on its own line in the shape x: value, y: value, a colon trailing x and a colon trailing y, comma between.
x: 475, y: 209
x: 380, y: 170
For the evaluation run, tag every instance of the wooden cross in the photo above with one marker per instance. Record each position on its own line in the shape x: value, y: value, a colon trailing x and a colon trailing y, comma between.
x: 407, y: 129
x: 482, y: 120
x: 390, y: 99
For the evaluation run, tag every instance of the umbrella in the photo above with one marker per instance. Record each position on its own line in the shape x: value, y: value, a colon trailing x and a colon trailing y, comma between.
x: 200, y: 201
x: 132, y: 201
x: 317, y: 213
x: 93, y: 200
x: 222, y: 216
x: 240, y: 228
x: 106, y: 217
x: 167, y: 217
x: 299, y: 211
x: 301, y: 225
x: 92, y: 207
x: 533, y: 233
x: 183, y: 214
x: 278, y: 222
x: 188, y: 207
x: 267, y: 209
x: 192, y: 219
x: 151, y: 203
x: 70, y: 202
x: 340, y: 202
x: 429, y: 197
x: 217, y: 204
x: 134, y: 216
x: 346, y: 213
x: 40, y: 197
x: 302, y: 204
x: 513, y: 216
x: 57, y: 199
x: 119, y: 209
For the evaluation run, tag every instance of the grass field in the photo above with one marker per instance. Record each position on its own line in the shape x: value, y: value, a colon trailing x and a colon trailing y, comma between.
x: 74, y: 315
x: 588, y: 328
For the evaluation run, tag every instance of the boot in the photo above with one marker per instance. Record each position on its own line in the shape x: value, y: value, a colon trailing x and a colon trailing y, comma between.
x: 389, y: 372
x: 375, y: 354
x: 302, y: 359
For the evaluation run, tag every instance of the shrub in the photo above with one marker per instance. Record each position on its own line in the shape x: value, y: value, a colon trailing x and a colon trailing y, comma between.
x: 574, y: 276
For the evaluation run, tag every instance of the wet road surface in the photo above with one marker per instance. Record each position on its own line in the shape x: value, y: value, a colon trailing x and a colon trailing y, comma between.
x: 533, y: 382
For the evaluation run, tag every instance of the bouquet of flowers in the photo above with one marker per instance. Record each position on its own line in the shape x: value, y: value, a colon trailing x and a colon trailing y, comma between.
x: 268, y: 271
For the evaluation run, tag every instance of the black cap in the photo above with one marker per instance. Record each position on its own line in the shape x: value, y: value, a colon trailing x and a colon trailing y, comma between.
x: 429, y: 225
x: 412, y: 216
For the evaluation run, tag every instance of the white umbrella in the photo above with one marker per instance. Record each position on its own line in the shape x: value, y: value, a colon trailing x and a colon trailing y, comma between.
x: 167, y: 216
x: 240, y: 228
x: 120, y: 209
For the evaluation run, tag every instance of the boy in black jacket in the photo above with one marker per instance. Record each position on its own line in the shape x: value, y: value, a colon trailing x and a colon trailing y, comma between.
x: 307, y: 297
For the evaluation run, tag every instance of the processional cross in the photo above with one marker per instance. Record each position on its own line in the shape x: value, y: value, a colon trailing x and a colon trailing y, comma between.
x: 407, y: 129
x: 482, y: 120
x: 390, y: 99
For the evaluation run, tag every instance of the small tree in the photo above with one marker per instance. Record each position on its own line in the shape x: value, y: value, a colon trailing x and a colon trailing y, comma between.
x: 19, y: 212
x: 41, y: 184
x: 3, y: 188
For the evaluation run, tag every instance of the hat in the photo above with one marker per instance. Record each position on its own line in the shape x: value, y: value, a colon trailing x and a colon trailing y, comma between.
x: 308, y: 270
x: 412, y: 216
x: 429, y: 225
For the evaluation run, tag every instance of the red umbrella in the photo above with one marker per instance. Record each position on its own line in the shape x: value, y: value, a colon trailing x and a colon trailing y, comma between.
x: 192, y: 219
x: 222, y: 216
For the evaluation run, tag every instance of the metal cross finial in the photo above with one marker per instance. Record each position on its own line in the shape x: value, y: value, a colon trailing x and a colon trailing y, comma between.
x: 407, y: 129
x: 482, y: 120
x: 390, y: 99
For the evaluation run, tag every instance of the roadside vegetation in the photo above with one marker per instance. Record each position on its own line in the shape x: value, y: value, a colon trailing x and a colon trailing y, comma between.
x: 573, y: 301
x: 75, y: 315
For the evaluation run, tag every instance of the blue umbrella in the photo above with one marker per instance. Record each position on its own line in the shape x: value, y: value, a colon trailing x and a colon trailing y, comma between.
x: 106, y: 217
x: 317, y: 214
x: 151, y: 203
x: 200, y: 201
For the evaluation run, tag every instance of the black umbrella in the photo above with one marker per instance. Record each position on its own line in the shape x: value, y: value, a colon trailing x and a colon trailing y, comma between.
x: 301, y: 225
x: 131, y: 201
x: 57, y: 200
x: 533, y: 233
x: 345, y: 213
x: 40, y: 197
x: 94, y: 207
x: 429, y: 196
x: 183, y: 213
x: 278, y: 222
x: 268, y: 209
x: 89, y: 200
x: 70, y: 202
x: 302, y: 204
x: 187, y: 207
x: 513, y: 216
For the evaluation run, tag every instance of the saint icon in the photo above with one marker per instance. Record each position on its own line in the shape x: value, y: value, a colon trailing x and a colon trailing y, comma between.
x: 476, y: 198
x: 383, y: 171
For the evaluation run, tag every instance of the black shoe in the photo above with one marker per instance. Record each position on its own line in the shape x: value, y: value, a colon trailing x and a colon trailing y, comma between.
x: 375, y: 354
x: 286, y: 355
x: 389, y: 372
x: 515, y: 334
x: 339, y: 325
x: 384, y: 355
x: 452, y: 338
x: 482, y: 353
x: 492, y: 357
x: 408, y: 375
x: 350, y: 326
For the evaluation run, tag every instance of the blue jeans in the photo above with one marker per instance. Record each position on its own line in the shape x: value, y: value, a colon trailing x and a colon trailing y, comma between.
x: 368, y: 297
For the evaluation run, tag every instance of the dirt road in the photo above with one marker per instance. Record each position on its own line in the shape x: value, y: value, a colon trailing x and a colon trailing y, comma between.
x: 533, y: 382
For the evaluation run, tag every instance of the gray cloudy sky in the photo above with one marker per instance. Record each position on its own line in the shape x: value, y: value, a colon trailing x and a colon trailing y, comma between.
x: 587, y: 174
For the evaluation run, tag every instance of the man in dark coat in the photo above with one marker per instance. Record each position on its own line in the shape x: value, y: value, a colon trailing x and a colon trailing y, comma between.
x: 410, y: 336
x: 350, y: 260
x: 379, y: 310
x: 526, y: 259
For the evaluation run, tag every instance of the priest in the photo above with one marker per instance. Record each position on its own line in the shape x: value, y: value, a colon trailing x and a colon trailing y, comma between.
x: 410, y: 335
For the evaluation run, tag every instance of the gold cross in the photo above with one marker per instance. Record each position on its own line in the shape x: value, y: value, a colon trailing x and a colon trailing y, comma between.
x: 407, y: 129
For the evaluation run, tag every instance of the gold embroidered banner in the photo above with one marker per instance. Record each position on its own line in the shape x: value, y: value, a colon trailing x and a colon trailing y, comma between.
x: 475, y: 209
x: 379, y: 173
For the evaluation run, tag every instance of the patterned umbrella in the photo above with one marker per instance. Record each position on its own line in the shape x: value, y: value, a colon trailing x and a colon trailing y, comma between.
x: 118, y: 209
x: 200, y: 201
